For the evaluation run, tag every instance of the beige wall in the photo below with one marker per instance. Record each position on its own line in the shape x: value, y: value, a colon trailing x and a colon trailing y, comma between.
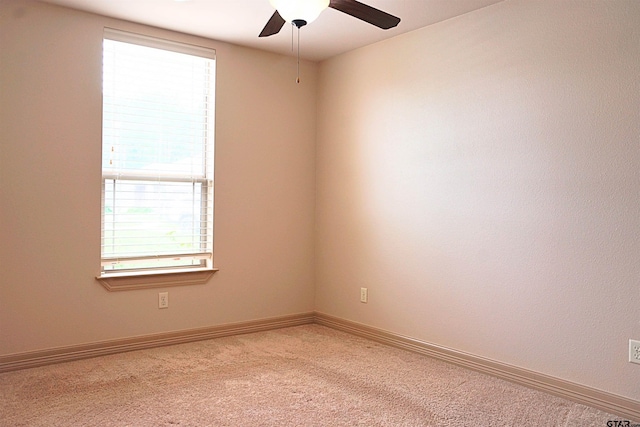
x: 50, y: 83
x: 481, y: 177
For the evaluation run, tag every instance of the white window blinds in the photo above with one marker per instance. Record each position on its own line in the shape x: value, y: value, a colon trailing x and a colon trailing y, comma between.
x: 157, y: 154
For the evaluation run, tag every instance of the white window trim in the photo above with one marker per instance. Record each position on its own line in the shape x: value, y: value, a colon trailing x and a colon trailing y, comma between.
x: 130, y: 280
x: 127, y: 37
x: 144, y: 280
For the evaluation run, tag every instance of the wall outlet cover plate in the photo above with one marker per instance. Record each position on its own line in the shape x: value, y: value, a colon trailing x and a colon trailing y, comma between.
x: 634, y: 351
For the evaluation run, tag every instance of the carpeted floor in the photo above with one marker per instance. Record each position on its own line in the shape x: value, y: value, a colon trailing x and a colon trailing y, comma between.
x: 301, y: 376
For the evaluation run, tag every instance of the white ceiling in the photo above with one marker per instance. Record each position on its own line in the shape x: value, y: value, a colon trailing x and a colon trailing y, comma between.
x: 240, y: 21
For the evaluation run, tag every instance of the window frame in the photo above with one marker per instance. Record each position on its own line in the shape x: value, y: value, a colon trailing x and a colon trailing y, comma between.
x: 149, y: 277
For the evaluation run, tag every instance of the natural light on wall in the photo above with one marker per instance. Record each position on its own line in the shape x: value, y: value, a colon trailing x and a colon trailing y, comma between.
x: 157, y: 155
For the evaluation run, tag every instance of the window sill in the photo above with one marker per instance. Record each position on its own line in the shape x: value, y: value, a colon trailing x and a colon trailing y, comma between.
x: 130, y: 281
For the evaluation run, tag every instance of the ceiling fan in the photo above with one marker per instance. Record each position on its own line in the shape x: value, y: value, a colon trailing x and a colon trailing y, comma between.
x: 303, y: 12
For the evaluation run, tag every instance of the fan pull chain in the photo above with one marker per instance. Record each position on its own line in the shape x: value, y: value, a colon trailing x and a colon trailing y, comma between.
x: 299, y: 23
x: 298, y: 78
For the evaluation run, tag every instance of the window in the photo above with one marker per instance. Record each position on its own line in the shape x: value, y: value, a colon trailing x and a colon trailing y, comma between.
x: 157, y: 156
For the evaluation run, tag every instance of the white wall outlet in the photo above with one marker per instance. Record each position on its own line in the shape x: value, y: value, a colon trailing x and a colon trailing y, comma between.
x: 163, y: 300
x: 634, y: 351
x: 364, y: 295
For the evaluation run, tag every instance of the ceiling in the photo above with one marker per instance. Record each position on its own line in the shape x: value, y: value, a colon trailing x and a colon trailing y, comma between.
x: 240, y: 21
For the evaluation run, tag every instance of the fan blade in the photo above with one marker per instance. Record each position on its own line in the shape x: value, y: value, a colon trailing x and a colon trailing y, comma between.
x: 366, y: 13
x: 276, y: 22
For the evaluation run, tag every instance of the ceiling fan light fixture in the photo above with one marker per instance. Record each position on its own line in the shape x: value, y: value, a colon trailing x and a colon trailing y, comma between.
x: 305, y: 10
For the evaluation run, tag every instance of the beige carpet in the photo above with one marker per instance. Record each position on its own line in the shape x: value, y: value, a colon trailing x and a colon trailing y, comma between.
x: 301, y: 376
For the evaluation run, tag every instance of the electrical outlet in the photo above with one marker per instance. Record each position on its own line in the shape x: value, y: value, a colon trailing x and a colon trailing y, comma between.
x: 163, y: 300
x: 364, y: 295
x: 634, y: 351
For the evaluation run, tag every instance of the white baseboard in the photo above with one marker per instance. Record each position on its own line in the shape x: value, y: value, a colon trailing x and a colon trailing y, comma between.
x: 66, y: 354
x: 622, y: 406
